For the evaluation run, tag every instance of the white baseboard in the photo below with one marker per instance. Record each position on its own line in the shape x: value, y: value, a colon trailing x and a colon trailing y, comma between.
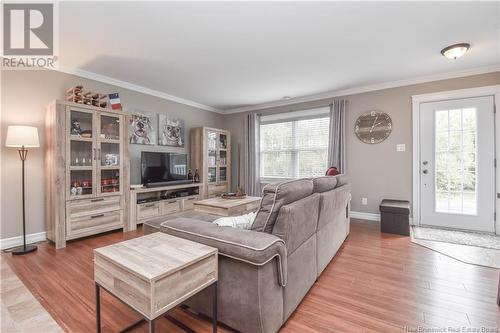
x: 7, y: 243
x: 371, y: 216
x: 365, y: 216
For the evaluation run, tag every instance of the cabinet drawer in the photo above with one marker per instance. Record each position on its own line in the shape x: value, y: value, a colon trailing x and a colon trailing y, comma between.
x: 93, y: 224
x: 86, y: 207
x: 217, y: 189
x: 171, y: 206
x: 188, y: 203
x: 147, y: 210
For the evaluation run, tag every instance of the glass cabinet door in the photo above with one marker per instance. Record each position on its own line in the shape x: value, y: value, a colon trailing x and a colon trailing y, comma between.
x: 109, y: 159
x: 81, y: 154
x: 109, y: 127
x: 222, y: 151
x: 212, y: 156
x: 212, y: 141
x: 222, y: 165
x: 217, y: 157
x: 222, y: 141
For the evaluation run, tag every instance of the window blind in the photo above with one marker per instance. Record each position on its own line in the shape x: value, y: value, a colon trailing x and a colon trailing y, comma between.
x: 295, y: 147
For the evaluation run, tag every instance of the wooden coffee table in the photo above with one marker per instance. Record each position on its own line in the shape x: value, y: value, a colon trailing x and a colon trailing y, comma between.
x: 227, y: 207
x: 154, y: 273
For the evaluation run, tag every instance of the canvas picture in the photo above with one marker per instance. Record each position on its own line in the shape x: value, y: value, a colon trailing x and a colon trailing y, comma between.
x: 171, y: 131
x: 141, y: 130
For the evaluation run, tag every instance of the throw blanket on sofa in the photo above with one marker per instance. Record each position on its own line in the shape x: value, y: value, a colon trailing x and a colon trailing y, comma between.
x: 239, y: 222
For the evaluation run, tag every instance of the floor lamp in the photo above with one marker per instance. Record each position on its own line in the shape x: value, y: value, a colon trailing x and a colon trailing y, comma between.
x: 22, y: 137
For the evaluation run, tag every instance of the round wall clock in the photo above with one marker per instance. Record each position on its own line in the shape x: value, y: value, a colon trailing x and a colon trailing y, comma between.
x: 373, y: 127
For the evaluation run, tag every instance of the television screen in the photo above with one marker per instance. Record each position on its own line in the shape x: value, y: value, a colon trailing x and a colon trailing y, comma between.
x: 162, y: 167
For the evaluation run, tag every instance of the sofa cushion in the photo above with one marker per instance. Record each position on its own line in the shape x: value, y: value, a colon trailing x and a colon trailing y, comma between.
x: 342, y: 179
x: 324, y: 184
x: 297, y: 221
x: 333, y: 204
x: 276, y: 195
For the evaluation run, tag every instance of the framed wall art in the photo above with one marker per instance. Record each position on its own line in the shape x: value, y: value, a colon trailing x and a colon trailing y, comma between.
x: 171, y: 131
x: 141, y: 130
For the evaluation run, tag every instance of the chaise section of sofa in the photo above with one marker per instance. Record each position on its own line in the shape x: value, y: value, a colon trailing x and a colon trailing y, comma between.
x: 252, y: 273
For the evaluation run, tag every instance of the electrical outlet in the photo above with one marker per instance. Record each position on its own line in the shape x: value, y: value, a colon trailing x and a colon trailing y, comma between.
x: 364, y: 201
x: 400, y: 147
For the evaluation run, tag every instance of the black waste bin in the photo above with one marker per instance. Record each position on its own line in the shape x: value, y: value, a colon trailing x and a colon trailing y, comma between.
x: 395, y: 216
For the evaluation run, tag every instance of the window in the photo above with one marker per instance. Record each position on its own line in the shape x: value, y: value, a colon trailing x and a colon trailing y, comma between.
x: 295, y: 144
x: 456, y: 161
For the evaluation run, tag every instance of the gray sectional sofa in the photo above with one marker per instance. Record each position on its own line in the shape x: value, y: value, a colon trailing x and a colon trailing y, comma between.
x: 265, y: 272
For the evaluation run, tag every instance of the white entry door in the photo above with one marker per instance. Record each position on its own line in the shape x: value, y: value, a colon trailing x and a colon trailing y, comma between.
x: 457, y: 172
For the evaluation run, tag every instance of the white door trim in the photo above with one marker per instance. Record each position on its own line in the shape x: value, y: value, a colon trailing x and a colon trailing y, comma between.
x: 442, y: 96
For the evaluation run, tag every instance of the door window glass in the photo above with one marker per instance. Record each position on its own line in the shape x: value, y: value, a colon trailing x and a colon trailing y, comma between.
x: 456, y: 161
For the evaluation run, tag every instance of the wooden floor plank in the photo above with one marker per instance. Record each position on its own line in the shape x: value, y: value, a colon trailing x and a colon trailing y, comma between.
x: 376, y: 283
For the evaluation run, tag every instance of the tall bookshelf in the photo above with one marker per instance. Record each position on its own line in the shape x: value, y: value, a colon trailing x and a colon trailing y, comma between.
x: 211, y: 155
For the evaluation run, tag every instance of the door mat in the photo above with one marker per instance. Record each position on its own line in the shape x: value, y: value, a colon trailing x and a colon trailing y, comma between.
x: 488, y: 241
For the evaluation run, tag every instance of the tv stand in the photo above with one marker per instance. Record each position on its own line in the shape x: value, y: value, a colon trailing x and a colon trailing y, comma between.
x: 152, y: 203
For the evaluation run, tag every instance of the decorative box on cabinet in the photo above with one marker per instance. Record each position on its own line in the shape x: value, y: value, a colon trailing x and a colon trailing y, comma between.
x: 87, y: 171
x: 211, y: 155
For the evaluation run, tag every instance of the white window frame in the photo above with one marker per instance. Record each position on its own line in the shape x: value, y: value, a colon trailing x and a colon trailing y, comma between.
x: 321, y: 112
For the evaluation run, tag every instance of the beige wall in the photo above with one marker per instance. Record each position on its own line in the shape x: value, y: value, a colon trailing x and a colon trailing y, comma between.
x: 24, y: 95
x: 377, y: 171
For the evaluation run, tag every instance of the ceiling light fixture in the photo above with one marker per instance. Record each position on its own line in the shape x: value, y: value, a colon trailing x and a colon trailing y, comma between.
x: 455, y: 51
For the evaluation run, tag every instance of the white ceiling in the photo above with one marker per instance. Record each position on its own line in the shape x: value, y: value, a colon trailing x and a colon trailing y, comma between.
x: 233, y: 54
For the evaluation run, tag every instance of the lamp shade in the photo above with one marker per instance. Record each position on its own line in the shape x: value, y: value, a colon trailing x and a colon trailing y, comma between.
x: 19, y: 136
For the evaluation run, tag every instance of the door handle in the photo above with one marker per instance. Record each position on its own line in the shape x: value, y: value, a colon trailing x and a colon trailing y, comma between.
x: 425, y: 171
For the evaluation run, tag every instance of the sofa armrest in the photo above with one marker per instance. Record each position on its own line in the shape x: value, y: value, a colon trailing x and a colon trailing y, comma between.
x: 253, y: 247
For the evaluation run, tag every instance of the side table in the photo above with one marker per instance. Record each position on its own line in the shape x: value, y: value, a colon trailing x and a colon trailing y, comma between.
x: 154, y: 273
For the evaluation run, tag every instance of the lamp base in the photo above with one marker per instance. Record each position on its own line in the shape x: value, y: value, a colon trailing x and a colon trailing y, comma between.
x: 24, y: 249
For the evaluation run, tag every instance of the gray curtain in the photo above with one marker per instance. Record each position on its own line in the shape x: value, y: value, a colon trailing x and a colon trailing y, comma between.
x: 336, y: 148
x: 251, y: 155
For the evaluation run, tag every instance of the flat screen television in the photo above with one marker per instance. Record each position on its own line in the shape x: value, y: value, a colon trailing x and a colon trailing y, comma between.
x: 158, y: 169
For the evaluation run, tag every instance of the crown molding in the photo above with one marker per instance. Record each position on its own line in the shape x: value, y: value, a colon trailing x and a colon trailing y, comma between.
x: 135, y: 87
x: 367, y: 88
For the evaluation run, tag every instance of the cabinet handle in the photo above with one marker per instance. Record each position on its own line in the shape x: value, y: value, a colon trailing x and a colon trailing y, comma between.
x: 173, y: 201
x: 99, y: 154
x: 149, y: 205
x: 96, y: 216
x: 191, y: 198
x: 95, y: 200
x: 94, y: 154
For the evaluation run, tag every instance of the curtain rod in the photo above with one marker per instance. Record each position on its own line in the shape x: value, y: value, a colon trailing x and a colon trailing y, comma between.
x: 299, y: 109
x: 295, y: 109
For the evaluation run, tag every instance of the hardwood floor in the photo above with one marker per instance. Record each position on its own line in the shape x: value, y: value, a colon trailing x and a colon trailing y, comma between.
x: 376, y: 283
